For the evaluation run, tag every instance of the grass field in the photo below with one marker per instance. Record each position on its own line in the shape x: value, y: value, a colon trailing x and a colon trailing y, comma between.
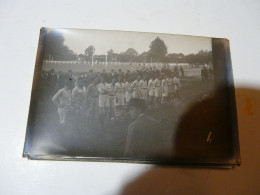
x: 96, y: 67
x: 80, y: 68
x: 109, y: 141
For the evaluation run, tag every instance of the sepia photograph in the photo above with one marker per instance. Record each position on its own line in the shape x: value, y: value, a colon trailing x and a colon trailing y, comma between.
x: 124, y: 96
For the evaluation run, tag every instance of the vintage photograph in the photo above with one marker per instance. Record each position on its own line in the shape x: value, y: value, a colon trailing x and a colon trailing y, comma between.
x: 117, y: 95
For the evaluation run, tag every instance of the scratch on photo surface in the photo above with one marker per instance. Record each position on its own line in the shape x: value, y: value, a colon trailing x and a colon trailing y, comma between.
x: 209, y: 138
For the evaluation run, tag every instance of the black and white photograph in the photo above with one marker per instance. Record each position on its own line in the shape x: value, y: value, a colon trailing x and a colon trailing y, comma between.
x: 130, y: 97
x: 124, y: 96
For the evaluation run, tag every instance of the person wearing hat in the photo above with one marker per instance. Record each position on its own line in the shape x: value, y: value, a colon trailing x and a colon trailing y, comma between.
x: 145, y: 138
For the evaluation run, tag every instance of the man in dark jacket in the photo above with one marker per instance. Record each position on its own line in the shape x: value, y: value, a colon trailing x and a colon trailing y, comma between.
x: 144, y: 137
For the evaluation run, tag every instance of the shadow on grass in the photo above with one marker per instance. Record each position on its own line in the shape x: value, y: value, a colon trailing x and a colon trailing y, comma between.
x: 243, y: 179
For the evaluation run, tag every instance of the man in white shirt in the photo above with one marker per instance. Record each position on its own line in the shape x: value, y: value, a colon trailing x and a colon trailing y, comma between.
x: 103, y: 100
x: 176, y: 87
x: 143, y: 88
x: 79, y: 95
x: 62, y: 99
x: 128, y: 91
x: 79, y: 102
x: 158, y: 90
x: 136, y: 88
x: 165, y: 91
x: 120, y: 97
x: 112, y: 98
x: 151, y: 90
x: 170, y: 88
x: 92, y: 94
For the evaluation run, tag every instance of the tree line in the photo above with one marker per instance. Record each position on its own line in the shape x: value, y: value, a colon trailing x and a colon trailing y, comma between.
x: 55, y: 49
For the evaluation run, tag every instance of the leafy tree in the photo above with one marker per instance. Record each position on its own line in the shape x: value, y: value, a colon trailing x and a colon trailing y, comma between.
x: 54, y: 44
x: 131, y: 52
x: 158, y: 50
x: 142, y: 57
x: 81, y: 57
x: 130, y: 55
x: 89, y: 52
x: 111, y: 56
x: 55, y: 48
x: 176, y: 58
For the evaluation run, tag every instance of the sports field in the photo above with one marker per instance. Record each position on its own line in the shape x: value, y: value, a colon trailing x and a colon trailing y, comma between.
x: 109, y: 141
x: 81, y: 67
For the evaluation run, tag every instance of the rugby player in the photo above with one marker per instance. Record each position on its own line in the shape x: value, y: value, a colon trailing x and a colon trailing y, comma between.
x: 92, y: 94
x: 165, y: 91
x: 62, y: 99
x: 79, y: 101
x: 151, y: 90
x: 158, y: 90
x: 128, y: 90
x: 136, y: 87
x: 143, y: 88
x: 112, y: 98
x: 120, y: 97
x: 103, y: 100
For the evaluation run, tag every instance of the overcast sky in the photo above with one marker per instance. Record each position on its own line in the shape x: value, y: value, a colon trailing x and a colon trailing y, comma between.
x: 119, y: 41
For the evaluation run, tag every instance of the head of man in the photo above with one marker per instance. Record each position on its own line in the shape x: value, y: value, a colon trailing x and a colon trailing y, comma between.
x: 137, y: 106
x: 139, y: 78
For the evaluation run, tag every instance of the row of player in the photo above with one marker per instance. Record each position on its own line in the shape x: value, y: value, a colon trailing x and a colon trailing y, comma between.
x: 113, y: 97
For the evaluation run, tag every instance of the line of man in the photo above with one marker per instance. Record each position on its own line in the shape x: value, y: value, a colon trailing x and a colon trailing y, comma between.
x: 109, y: 100
x: 207, y: 74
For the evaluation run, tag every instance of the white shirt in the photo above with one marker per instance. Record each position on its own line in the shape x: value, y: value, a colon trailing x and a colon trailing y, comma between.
x: 151, y: 84
x: 143, y: 84
x: 164, y: 83
x: 64, y: 97
x: 111, y: 89
x: 103, y: 88
x: 120, y: 87
x: 176, y: 81
x: 157, y: 83
x: 136, y: 85
x: 128, y: 87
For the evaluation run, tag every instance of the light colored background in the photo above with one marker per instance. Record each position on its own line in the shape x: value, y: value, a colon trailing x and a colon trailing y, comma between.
x: 20, y: 21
